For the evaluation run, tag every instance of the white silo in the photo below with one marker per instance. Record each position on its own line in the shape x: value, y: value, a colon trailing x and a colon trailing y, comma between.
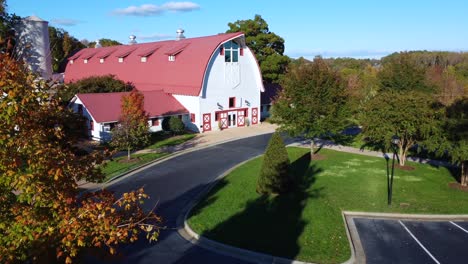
x: 33, y: 45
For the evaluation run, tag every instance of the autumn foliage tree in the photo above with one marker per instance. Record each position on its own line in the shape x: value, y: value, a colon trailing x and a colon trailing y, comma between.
x: 133, y: 128
x: 42, y: 215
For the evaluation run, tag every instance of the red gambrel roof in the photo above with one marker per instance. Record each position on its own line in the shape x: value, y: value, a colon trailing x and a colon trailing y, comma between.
x: 106, y: 107
x: 106, y: 52
x: 183, y: 76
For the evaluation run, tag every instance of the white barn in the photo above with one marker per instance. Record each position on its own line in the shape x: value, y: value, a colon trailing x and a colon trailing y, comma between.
x: 216, y: 79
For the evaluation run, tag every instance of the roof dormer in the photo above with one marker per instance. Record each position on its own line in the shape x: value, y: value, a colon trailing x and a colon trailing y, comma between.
x: 144, y: 54
x: 125, y: 52
x: 105, y: 53
x: 176, y: 50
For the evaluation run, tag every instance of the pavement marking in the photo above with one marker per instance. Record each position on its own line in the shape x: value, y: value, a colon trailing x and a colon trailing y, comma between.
x: 420, y: 244
x: 466, y: 231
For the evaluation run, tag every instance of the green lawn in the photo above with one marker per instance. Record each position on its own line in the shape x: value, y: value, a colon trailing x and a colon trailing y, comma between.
x: 307, y: 223
x: 114, y: 167
x: 171, y: 141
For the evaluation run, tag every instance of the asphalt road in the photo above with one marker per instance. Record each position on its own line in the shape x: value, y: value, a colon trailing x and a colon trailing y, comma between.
x: 173, y: 184
x: 404, y: 241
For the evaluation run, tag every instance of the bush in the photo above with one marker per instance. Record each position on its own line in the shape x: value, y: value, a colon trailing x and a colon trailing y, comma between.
x: 176, y: 125
x: 274, y: 175
x: 93, y: 84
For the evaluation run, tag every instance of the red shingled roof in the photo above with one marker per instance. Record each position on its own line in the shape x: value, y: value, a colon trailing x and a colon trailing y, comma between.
x: 183, y: 76
x: 105, y: 107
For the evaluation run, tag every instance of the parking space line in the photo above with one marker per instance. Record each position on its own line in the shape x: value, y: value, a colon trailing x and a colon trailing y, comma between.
x: 464, y: 230
x: 420, y: 244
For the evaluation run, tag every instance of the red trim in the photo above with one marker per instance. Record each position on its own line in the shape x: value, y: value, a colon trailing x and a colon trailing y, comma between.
x: 254, y: 115
x: 241, y: 51
x: 241, y: 118
x: 206, y: 122
x: 234, y: 102
x: 192, y: 118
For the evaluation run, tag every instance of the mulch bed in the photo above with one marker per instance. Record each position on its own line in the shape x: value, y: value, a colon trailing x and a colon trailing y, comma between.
x: 405, y: 167
x: 457, y: 186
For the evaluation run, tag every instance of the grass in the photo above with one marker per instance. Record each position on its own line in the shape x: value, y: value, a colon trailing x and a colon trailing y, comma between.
x: 171, y: 141
x: 306, y: 224
x: 115, y: 167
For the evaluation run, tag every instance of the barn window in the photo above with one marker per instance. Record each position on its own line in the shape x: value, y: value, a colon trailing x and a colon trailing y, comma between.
x: 143, y: 59
x: 155, y: 122
x: 85, y: 60
x: 71, y: 61
x: 232, y: 102
x: 231, y: 52
x: 192, y: 118
x: 101, y: 60
x: 121, y: 59
x: 171, y: 58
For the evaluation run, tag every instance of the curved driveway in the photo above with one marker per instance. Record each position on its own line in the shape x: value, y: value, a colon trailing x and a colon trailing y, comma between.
x: 174, y: 184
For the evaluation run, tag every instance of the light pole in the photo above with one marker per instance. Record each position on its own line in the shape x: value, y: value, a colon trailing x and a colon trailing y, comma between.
x: 394, y: 142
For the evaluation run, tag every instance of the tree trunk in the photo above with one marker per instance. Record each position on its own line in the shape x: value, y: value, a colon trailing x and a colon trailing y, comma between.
x: 128, y: 153
x: 464, y: 174
x: 402, y: 152
x: 312, y: 148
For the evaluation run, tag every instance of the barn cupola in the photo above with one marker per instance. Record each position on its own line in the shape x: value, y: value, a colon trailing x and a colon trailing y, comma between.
x: 180, y: 34
x: 132, y: 40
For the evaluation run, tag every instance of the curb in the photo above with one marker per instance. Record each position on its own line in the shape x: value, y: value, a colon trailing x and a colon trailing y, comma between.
x: 187, y: 232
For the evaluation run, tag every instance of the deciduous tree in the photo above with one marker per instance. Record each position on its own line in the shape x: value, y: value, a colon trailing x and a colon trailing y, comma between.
x: 414, y: 117
x: 266, y: 45
x: 132, y: 130
x: 42, y: 215
x: 313, y: 101
x: 94, y: 84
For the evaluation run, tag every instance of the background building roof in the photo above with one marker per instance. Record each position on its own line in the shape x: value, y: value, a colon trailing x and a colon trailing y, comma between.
x: 106, y: 107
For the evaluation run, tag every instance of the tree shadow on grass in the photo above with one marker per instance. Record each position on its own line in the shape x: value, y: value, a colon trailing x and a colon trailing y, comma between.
x: 272, y: 224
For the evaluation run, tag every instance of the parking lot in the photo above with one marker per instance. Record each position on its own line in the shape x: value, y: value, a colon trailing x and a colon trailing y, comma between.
x: 412, y: 241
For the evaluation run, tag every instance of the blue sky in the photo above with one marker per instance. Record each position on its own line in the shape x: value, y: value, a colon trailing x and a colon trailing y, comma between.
x: 354, y: 28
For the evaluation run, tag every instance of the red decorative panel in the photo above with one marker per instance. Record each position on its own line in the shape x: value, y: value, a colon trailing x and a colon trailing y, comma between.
x: 254, y: 115
x: 206, y: 122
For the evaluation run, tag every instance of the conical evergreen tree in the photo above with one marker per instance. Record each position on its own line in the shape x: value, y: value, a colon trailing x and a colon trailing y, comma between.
x: 274, y: 175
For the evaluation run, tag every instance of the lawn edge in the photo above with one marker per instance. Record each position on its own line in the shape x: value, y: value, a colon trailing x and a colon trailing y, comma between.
x: 190, y: 235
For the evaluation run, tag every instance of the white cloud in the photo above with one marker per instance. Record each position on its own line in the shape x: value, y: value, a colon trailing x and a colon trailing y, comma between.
x: 65, y: 22
x: 180, y: 6
x: 154, y: 10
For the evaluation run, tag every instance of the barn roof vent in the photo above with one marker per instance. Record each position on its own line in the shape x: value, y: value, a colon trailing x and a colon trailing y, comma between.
x: 98, y: 44
x: 132, y: 40
x: 180, y: 34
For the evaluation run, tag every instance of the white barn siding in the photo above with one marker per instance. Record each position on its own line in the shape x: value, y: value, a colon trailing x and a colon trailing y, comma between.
x: 192, y: 104
x: 223, y: 80
x: 98, y: 128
